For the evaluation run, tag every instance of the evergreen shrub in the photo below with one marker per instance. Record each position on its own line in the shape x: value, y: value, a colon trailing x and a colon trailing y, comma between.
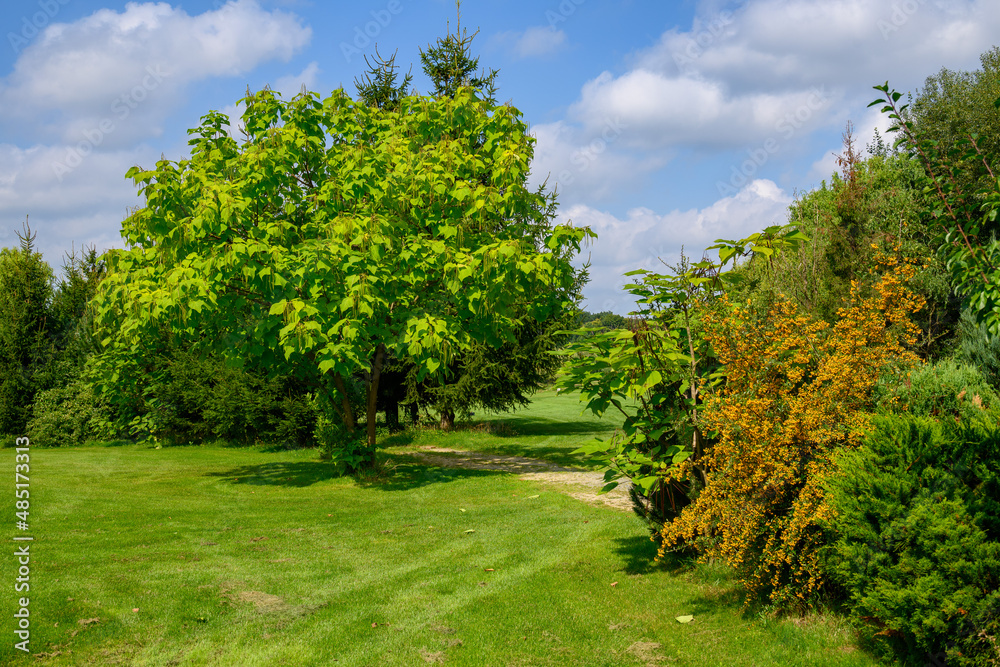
x: 914, y: 542
x: 946, y: 388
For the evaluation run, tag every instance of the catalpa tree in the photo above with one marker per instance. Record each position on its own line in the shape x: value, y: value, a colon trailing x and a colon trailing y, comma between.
x: 336, y: 235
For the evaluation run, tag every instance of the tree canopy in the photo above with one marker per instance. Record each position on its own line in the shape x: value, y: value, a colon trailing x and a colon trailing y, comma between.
x: 339, y: 234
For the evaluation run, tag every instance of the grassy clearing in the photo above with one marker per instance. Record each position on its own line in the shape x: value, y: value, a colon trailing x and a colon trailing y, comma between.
x: 251, y: 556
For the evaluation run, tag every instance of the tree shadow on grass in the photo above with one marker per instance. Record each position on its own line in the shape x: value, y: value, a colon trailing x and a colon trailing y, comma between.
x: 638, y: 554
x: 284, y: 473
x: 520, y: 426
x: 399, y: 473
x: 406, y: 472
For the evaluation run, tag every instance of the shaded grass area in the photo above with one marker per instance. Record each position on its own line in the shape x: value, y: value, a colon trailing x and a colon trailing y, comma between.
x: 550, y: 429
x: 263, y: 557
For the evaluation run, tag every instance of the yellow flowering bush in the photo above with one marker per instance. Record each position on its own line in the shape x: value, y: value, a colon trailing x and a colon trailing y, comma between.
x: 796, y: 389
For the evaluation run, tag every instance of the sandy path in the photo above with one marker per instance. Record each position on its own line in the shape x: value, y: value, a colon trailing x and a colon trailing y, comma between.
x: 578, y: 484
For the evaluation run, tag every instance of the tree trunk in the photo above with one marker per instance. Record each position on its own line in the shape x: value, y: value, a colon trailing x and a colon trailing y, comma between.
x: 447, y: 419
x: 392, y: 413
x: 414, y: 411
x: 373, y: 394
x: 345, y: 402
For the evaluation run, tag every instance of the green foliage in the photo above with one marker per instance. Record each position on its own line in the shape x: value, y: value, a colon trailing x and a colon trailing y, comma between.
x: 953, y: 105
x: 961, y: 221
x: 915, y: 541
x: 344, y: 448
x: 339, y: 235
x: 72, y: 340
x: 874, y: 205
x: 979, y: 349
x: 663, y: 362
x: 71, y: 415
x: 945, y: 389
x: 25, y: 329
x: 379, y: 88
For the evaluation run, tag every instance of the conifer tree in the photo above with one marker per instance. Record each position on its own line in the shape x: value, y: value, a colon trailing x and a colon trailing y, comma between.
x: 378, y: 88
x: 450, y: 65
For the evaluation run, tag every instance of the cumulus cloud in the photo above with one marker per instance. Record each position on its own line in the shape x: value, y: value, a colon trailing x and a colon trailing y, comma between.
x: 112, y: 66
x: 84, y: 97
x: 643, y: 238
x: 770, y: 73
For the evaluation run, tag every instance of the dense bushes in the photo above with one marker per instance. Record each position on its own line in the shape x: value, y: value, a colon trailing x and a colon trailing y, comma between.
x: 71, y: 415
x: 795, y: 391
x: 915, y: 537
x: 180, y: 397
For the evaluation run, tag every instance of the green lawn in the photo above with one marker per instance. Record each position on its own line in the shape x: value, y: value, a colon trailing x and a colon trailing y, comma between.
x: 210, y: 555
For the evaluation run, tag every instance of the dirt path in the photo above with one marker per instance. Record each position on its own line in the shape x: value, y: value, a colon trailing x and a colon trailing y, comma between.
x: 578, y: 484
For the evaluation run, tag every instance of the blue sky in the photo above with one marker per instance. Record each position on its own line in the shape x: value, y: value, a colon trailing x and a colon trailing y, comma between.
x: 663, y: 124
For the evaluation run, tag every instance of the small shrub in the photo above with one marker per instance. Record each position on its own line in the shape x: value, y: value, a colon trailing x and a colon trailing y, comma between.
x: 915, y: 538
x: 944, y: 389
x: 348, y: 451
x: 70, y: 415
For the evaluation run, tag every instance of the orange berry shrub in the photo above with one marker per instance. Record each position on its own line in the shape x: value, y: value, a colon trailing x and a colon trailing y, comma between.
x: 796, y: 389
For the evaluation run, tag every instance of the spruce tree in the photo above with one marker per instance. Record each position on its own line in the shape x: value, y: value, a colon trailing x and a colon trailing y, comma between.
x: 450, y: 65
x: 378, y: 88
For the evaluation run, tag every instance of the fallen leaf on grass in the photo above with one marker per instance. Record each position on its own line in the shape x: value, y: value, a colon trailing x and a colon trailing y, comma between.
x: 135, y: 609
x: 489, y: 569
x: 88, y: 621
x: 685, y: 619
x: 614, y: 584
x: 460, y: 509
x: 534, y: 496
x: 471, y: 530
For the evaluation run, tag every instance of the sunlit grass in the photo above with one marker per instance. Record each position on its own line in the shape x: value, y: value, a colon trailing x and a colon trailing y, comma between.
x: 257, y: 556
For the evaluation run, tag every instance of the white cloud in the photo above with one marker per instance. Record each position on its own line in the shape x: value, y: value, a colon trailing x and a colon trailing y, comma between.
x: 669, y: 111
x: 644, y: 237
x: 291, y: 85
x: 770, y: 73
x: 534, y: 42
x: 84, y: 96
x: 130, y: 68
x: 84, y: 208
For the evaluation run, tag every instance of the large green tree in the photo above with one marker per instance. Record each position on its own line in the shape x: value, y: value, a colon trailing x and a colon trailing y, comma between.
x: 338, y: 235
x: 491, y: 377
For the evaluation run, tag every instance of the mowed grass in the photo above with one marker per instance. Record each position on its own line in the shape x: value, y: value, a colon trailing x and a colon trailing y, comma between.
x: 210, y: 555
x: 550, y: 429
